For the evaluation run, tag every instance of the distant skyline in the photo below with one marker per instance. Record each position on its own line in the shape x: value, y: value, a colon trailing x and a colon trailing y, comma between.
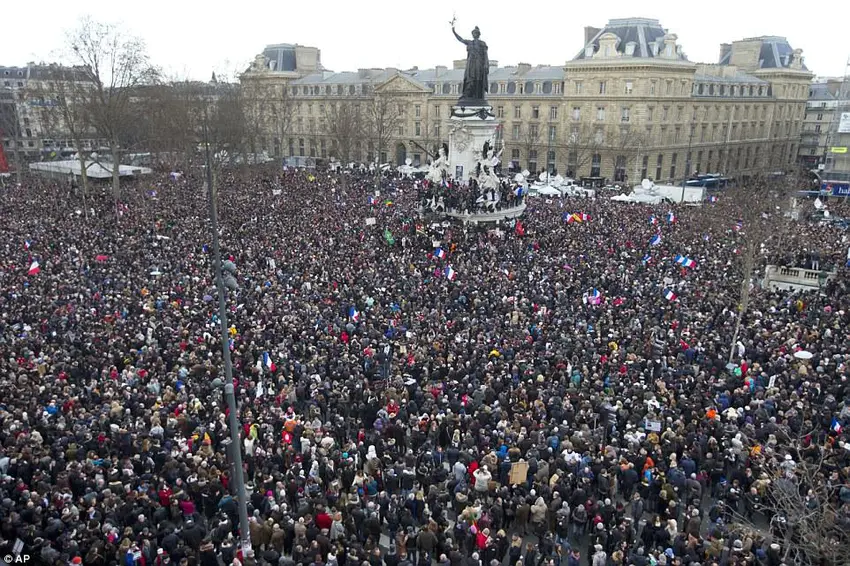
x: 191, y: 39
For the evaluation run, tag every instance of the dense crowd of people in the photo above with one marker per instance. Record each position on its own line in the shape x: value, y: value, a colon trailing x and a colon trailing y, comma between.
x: 567, y: 393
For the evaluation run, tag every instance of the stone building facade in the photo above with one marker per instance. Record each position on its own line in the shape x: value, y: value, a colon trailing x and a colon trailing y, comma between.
x: 629, y: 105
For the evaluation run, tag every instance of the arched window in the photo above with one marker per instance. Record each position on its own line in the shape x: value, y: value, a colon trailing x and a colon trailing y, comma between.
x: 529, y: 87
x: 447, y: 88
x: 547, y: 87
x: 351, y: 90
x: 511, y: 88
x: 494, y: 88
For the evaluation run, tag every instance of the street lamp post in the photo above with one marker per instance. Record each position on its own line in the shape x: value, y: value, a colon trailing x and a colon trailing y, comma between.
x: 229, y: 390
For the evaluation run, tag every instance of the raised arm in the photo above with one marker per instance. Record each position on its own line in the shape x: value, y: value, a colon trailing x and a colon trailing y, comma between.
x: 459, y: 38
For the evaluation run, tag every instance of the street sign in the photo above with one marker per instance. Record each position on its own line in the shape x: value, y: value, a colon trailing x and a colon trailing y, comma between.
x: 838, y: 150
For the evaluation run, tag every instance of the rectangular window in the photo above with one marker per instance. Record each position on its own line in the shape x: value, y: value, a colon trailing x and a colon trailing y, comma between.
x: 515, y: 131
x: 553, y: 112
x: 644, y: 166
x: 500, y: 112
x: 556, y: 88
x: 649, y: 112
x: 652, y: 87
x: 400, y: 130
x: 603, y: 85
x: 820, y: 116
x: 535, y: 112
x: 625, y: 113
x: 576, y: 113
x: 573, y: 134
x: 553, y: 133
x: 324, y: 149
x: 600, y: 114
x: 665, y: 113
x: 514, y: 155
x: 659, y: 163
x: 817, y: 128
x: 517, y: 112
x: 437, y: 111
x: 437, y: 131
x: 578, y: 87
x: 417, y: 129
x: 629, y: 87
x: 417, y: 110
x: 668, y: 88
x: 533, y: 131
x: 673, y: 159
x: 677, y: 134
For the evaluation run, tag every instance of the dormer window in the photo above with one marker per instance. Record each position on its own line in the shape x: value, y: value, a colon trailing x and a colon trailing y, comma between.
x: 588, y: 51
x: 630, y: 48
x: 668, y: 50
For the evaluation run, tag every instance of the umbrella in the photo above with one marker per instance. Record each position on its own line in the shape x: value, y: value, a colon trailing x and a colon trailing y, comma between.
x: 803, y: 355
x: 207, y: 298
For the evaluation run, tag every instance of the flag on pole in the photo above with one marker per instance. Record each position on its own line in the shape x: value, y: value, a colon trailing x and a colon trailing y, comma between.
x: 671, y: 217
x: 354, y: 314
x: 34, y: 268
x: 836, y: 426
x: 680, y: 259
x: 371, y: 200
x: 440, y: 253
x: 450, y: 273
x: 268, y: 363
x: 388, y: 237
x: 653, y: 220
x: 669, y: 295
x: 646, y: 259
x: 655, y: 240
x: 27, y: 244
x: 689, y: 263
x: 712, y: 198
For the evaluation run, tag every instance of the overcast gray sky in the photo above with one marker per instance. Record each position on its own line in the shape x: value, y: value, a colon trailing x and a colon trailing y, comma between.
x: 193, y: 38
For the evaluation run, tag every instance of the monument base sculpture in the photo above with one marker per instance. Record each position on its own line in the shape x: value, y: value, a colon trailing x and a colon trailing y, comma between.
x: 470, y: 128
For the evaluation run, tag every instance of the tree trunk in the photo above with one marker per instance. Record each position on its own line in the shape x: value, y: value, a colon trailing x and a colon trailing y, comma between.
x: 749, y: 261
x: 84, y: 180
x: 116, y: 179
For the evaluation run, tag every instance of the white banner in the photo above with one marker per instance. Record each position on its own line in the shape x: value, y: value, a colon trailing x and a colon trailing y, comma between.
x: 370, y: 221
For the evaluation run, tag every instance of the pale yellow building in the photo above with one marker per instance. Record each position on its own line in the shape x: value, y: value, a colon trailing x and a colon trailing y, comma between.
x: 629, y: 105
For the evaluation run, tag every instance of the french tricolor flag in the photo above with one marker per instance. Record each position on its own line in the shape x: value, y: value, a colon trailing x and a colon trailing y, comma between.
x: 680, y: 259
x: 655, y: 240
x: 646, y: 259
x: 27, y: 244
x: 372, y: 201
x: 689, y: 263
x: 354, y: 314
x: 450, y: 273
x: 268, y: 363
x: 440, y: 253
x: 712, y: 198
x: 836, y: 426
x: 670, y: 295
x: 34, y: 268
x: 671, y: 217
x: 653, y: 220
x: 594, y: 297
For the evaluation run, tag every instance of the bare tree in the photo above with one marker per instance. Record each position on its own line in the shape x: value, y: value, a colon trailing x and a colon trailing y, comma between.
x: 383, y: 114
x: 583, y: 142
x: 115, y: 64
x: 801, y: 494
x: 10, y: 126
x: 756, y: 212
x: 344, y: 126
x: 530, y: 142
x: 60, y: 98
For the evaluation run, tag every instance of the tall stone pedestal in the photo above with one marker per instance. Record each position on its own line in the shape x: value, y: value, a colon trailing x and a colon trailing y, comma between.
x: 470, y: 128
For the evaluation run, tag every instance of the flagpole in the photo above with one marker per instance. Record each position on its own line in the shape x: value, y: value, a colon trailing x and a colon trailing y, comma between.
x: 229, y: 390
